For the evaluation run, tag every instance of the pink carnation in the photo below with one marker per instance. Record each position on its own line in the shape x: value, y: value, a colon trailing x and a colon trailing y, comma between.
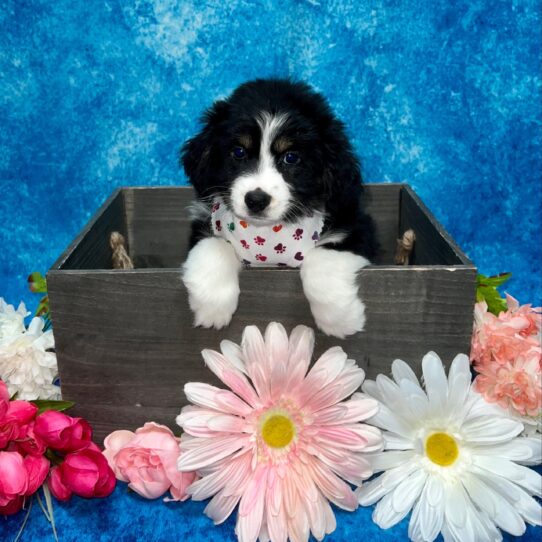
x: 524, y: 319
x: 504, y: 337
x: 506, y: 351
x: 513, y: 384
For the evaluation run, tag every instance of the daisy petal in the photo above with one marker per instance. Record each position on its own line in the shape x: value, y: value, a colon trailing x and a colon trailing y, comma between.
x: 207, y: 451
x: 496, y: 506
x: 220, y: 507
x: 490, y: 430
x: 402, y: 371
x: 522, y: 476
x: 436, y: 383
x: 231, y: 376
x: 208, y: 396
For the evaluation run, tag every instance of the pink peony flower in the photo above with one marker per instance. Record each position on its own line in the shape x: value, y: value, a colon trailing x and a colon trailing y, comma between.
x: 147, y: 459
x: 18, y: 414
x: 19, y: 478
x: 61, y: 432
x: 515, y: 385
x: 84, y: 472
x: 283, y: 444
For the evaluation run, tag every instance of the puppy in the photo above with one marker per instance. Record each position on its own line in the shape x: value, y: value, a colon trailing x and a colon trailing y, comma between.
x: 277, y: 183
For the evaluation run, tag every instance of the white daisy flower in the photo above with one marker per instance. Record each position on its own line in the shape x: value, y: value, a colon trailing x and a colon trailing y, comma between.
x: 450, y: 457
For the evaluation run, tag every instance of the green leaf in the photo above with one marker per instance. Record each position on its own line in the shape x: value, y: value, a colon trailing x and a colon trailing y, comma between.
x: 486, y: 290
x: 37, y: 283
x: 494, y: 281
x: 43, y: 308
x: 44, y: 405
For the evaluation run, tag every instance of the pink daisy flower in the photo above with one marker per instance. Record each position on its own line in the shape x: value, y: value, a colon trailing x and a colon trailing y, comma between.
x: 283, y: 442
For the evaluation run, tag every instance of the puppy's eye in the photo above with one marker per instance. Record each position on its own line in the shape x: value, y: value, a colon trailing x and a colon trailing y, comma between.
x: 291, y: 158
x: 239, y: 153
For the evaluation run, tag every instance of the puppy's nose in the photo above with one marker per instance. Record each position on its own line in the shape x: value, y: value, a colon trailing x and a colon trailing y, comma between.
x: 257, y: 200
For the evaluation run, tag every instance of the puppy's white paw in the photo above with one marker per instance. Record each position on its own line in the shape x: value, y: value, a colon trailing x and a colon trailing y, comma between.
x: 330, y: 283
x: 210, y: 275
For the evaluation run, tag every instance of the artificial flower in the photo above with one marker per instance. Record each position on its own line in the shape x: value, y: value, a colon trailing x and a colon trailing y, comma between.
x: 85, y: 473
x: 4, y: 399
x: 28, y: 443
x: 283, y: 442
x: 503, y: 338
x: 11, y: 321
x: 450, y: 457
x: 19, y: 478
x: 27, y: 366
x: 147, y: 460
x: 14, y: 422
x: 507, y: 353
x: 61, y: 432
x: 515, y: 385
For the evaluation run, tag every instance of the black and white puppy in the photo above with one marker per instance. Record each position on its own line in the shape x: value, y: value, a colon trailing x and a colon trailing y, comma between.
x: 274, y: 157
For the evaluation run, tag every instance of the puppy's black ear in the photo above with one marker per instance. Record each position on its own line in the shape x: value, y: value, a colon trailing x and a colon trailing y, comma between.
x: 199, y: 155
x: 342, y: 175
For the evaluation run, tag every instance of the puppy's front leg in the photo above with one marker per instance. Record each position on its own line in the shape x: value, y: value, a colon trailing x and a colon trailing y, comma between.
x: 330, y: 283
x: 211, y: 276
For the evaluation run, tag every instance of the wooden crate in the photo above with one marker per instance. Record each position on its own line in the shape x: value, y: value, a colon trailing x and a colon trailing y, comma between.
x: 125, y: 341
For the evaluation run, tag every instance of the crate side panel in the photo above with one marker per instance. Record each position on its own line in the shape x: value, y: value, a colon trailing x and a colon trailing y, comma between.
x: 431, y: 246
x: 126, y: 345
x: 93, y: 250
x: 158, y: 225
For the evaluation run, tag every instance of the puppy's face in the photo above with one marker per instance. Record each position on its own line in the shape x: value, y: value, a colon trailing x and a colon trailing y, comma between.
x: 266, y: 151
x: 273, y: 175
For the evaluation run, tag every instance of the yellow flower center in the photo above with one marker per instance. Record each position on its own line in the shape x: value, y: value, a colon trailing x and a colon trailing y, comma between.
x: 441, y: 449
x: 278, y: 431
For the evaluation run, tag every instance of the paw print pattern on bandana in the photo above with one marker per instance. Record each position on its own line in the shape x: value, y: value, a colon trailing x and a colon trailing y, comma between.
x: 279, y: 245
x: 298, y: 234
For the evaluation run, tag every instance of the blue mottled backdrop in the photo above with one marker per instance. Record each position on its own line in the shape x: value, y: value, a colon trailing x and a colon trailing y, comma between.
x: 443, y: 95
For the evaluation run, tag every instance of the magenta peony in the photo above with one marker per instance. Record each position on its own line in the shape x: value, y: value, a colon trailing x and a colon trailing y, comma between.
x: 283, y: 442
x: 19, y: 478
x: 17, y: 416
x: 147, y: 460
x: 61, y: 432
x: 85, y: 473
x: 4, y: 399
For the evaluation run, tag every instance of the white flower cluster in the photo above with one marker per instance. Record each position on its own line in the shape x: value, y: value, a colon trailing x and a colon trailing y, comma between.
x: 26, y: 365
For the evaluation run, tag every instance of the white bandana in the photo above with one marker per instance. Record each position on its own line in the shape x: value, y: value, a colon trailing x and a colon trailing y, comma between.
x: 282, y: 244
